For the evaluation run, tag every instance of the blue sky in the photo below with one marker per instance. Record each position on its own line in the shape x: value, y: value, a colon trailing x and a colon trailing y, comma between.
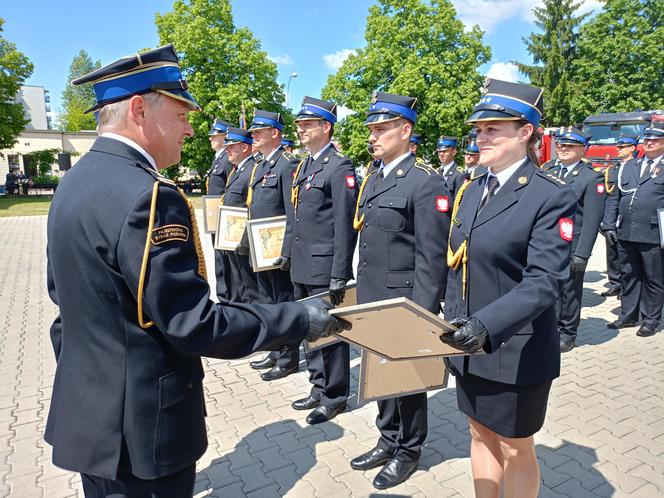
x: 50, y: 33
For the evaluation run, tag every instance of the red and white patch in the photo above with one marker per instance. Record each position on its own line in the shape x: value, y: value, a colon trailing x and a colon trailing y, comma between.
x: 566, y: 226
x: 600, y: 188
x: 442, y: 203
x: 350, y: 181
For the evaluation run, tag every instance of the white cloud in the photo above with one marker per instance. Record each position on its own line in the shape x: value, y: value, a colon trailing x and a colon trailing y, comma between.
x: 505, y: 71
x: 343, y: 112
x: 283, y: 60
x: 336, y: 59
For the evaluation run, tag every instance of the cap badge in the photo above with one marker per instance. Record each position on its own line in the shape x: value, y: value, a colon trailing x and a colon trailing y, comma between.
x: 374, y: 97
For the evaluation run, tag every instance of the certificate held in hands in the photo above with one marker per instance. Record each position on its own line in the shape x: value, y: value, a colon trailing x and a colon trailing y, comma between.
x: 349, y: 300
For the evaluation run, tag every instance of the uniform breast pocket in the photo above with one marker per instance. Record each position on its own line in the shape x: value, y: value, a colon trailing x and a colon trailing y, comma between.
x: 236, y: 189
x: 392, y: 213
x: 270, y: 190
x: 314, y: 190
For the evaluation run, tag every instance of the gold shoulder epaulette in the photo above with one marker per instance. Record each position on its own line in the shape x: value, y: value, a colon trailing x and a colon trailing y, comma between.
x: 289, y: 156
x: 552, y: 178
x: 339, y: 155
x: 460, y: 169
x: 425, y: 167
x: 167, y: 181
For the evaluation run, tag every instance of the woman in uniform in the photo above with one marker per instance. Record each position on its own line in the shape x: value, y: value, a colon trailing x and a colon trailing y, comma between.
x: 509, y: 252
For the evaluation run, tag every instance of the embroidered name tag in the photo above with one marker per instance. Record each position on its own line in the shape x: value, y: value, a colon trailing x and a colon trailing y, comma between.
x: 170, y: 233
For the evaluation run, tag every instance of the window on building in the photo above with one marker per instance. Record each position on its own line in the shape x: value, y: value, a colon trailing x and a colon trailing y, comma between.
x: 14, y: 161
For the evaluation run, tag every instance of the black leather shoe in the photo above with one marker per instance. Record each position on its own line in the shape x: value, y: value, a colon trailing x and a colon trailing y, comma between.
x: 619, y: 324
x: 566, y: 345
x: 305, y: 403
x: 266, y: 362
x: 646, y: 330
x: 278, y: 373
x: 371, y: 459
x: 611, y: 291
x: 394, y: 473
x: 322, y: 413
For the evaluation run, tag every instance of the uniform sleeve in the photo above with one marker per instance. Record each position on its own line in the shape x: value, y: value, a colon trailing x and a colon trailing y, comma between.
x: 593, y: 203
x: 176, y: 296
x: 547, y: 267
x: 344, y: 190
x: 56, y: 326
x: 432, y: 206
x: 287, y: 191
x: 612, y: 201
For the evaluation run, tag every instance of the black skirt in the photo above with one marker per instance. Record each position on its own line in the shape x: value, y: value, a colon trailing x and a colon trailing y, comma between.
x: 514, y: 411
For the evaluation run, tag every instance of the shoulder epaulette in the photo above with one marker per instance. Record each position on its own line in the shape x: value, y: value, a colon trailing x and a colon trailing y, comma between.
x: 424, y: 167
x: 599, y: 169
x: 167, y: 181
x: 289, y: 156
x: 552, y: 178
x: 339, y: 155
x: 460, y: 169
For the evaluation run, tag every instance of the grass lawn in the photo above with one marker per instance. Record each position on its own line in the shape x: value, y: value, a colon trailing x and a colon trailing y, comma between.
x: 39, y: 204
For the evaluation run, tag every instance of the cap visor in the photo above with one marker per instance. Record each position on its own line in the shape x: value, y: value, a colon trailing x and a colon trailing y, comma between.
x: 381, y: 118
x: 490, y: 116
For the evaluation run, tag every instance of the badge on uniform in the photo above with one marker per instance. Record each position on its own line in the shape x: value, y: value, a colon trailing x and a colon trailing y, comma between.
x: 307, y: 186
x: 600, y: 188
x: 566, y: 226
x: 169, y: 233
x: 442, y: 203
x: 350, y: 181
x: 523, y: 180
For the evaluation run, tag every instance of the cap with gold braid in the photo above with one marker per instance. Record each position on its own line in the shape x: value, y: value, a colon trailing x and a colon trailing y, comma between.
x: 503, y: 100
x: 152, y: 71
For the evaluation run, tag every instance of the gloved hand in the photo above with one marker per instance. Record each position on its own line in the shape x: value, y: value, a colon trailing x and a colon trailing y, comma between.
x: 337, y: 290
x: 321, y: 323
x: 611, y: 236
x: 469, y: 337
x: 242, y: 250
x: 578, y: 264
x: 283, y: 263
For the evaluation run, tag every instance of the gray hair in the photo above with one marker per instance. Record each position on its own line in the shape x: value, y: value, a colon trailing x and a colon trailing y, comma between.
x: 112, y: 115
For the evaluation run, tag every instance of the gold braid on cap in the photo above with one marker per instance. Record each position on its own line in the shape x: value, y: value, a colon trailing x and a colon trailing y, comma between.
x: 460, y: 256
x: 358, y: 223
x: 295, y: 190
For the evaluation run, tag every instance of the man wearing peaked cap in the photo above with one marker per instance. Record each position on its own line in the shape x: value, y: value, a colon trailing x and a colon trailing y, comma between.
x: 453, y: 176
x: 216, y: 185
x: 471, y: 160
x: 403, y: 218
x: 324, y: 196
x: 288, y: 144
x: 126, y: 269
x: 590, y: 190
x: 633, y: 222
x: 415, y: 142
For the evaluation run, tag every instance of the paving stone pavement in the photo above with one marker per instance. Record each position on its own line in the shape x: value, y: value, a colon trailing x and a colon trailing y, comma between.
x: 604, y: 434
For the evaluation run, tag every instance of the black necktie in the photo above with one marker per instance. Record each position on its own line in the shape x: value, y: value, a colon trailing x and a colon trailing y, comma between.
x: 562, y: 172
x: 379, y: 178
x: 492, y: 186
x: 647, y: 171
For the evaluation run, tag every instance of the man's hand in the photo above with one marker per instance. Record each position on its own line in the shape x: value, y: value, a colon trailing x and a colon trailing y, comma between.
x: 578, y: 264
x: 611, y: 236
x: 469, y: 337
x: 337, y: 290
x: 321, y: 323
x: 283, y: 263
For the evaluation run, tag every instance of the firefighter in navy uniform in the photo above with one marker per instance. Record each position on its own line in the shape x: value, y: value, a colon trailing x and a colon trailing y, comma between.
x: 324, y: 195
x: 270, y: 188
x: 454, y: 176
x: 471, y: 160
x: 509, y: 254
x: 635, y: 219
x: 243, y: 286
x: 403, y: 218
x: 588, y: 185
x: 415, y: 142
x: 216, y: 185
x: 126, y: 269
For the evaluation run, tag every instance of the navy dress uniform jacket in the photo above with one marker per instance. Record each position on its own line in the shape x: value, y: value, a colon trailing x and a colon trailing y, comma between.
x: 404, y: 236
x: 237, y: 186
x: 218, y: 175
x: 116, y: 382
x: 454, y: 178
x: 324, y: 237
x: 518, y: 256
x: 612, y: 198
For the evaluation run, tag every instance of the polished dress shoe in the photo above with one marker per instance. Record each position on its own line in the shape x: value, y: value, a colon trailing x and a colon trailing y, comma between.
x: 266, y: 362
x: 646, y: 330
x: 611, y: 291
x: 278, y: 373
x: 394, y: 473
x: 371, y: 459
x: 323, y: 413
x: 619, y: 324
x: 306, y: 403
x: 566, y: 345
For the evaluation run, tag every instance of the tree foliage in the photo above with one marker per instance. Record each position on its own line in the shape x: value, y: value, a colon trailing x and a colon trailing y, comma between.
x: 620, y: 64
x: 15, y: 68
x: 413, y: 48
x: 225, y: 67
x: 44, y: 159
x: 77, y: 99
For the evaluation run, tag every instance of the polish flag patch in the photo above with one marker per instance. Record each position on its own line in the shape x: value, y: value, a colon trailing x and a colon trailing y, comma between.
x: 442, y: 203
x: 350, y: 181
x: 566, y: 226
x: 600, y: 188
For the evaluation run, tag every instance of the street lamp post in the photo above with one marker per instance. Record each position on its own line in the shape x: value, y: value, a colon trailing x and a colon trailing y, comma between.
x: 293, y: 75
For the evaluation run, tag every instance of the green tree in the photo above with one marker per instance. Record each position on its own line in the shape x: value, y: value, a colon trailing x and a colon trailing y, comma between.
x: 413, y: 48
x: 225, y: 67
x: 15, y: 68
x: 621, y: 59
x: 553, y: 50
x: 77, y: 99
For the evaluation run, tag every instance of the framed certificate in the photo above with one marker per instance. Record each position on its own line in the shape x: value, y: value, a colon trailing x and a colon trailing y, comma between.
x: 231, y: 222
x: 660, y: 221
x: 381, y: 378
x: 350, y: 298
x: 210, y: 212
x: 266, y: 237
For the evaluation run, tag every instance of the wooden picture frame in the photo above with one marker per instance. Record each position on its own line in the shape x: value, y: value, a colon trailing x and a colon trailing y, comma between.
x: 350, y: 299
x: 231, y: 223
x: 266, y: 237
x: 211, y: 205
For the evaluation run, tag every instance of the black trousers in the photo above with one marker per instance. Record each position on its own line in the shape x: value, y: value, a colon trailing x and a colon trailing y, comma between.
x: 643, y: 282
x: 222, y: 271
x: 612, y: 264
x: 403, y: 425
x: 275, y: 286
x: 329, y: 367
x: 569, y: 305
x: 177, y: 485
x: 243, y: 286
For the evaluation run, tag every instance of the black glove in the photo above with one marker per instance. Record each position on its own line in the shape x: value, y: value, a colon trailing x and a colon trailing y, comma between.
x: 283, y: 263
x: 611, y: 236
x: 337, y: 290
x: 469, y: 337
x: 242, y: 250
x: 321, y: 323
x: 578, y: 264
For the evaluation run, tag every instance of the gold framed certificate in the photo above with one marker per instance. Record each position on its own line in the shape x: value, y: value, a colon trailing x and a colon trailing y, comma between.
x: 231, y: 223
x: 266, y: 238
x: 211, y: 212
